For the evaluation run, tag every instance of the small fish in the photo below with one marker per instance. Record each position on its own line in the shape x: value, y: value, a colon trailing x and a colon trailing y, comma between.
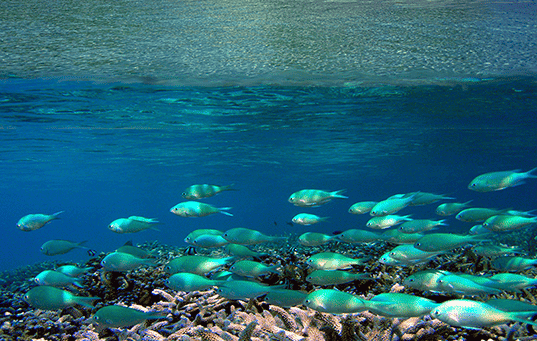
x: 199, y: 265
x: 496, y: 181
x: 72, y: 270
x: 408, y: 252
x: 185, y: 281
x: 514, y: 282
x: 387, y: 260
x: 57, y: 279
x: 424, y: 198
x: 115, y: 316
x: 511, y: 305
x: 397, y: 237
x: 476, y: 315
x: 390, y: 206
x: 135, y: 251
x: 285, y: 298
x: 32, y: 222
x: 195, y: 209
x: 333, y: 261
x: 91, y: 252
x: 314, y: 197
x: 199, y: 232
x: 477, y: 214
x: 453, y: 283
x: 209, y: 241
x: 242, y: 290
x: 354, y: 236
x: 133, y: 224
x: 334, y: 277
x: 51, y: 298
x: 244, y: 236
x: 494, y: 250
x: 451, y: 208
x: 426, y: 280
x: 513, y: 263
x: 122, y: 262
x: 478, y: 229
x: 241, y: 251
x: 59, y: 247
x: 196, y: 192
x: 334, y: 302
x: 421, y: 225
x: 446, y: 241
x: 384, y: 222
x: 502, y: 223
x: 398, y: 305
x: 314, y: 239
x: 308, y: 219
x: 248, y: 268
x: 362, y: 207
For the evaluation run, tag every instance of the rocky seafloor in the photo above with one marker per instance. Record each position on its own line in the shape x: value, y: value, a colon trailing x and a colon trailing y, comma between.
x: 204, y: 315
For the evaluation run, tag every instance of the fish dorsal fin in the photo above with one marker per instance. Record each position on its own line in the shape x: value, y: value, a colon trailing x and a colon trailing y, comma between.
x: 128, y: 243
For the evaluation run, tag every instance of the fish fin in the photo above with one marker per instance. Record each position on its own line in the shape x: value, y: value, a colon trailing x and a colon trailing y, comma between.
x: 81, y: 244
x: 339, y: 194
x: 228, y: 188
x: 86, y: 301
x: 128, y: 243
x: 56, y: 214
x: 529, y: 175
x: 223, y: 209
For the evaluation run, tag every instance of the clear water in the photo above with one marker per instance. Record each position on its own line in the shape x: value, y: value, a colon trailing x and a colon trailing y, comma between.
x: 111, y: 109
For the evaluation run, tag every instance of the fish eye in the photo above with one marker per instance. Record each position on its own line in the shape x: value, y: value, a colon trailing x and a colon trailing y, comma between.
x: 418, y: 244
x: 307, y: 301
x: 411, y: 279
x: 474, y: 184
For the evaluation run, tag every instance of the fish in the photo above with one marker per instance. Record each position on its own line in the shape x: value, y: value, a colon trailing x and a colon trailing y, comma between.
x: 133, y: 224
x: 478, y: 229
x: 194, y: 209
x: 390, y: 206
x: 334, y: 302
x: 199, y: 232
x: 426, y: 280
x: 72, y: 270
x: 397, y: 237
x: 451, y: 208
x: 494, y: 250
x: 387, y: 221
x: 241, y: 251
x: 511, y: 305
x: 242, y: 290
x: 446, y: 241
x: 59, y: 247
x: 502, y: 223
x: 57, y: 279
x: 477, y: 315
x: 196, y: 192
x: 307, y: 219
x: 185, y: 281
x: 333, y: 261
x: 362, y: 207
x: 424, y: 198
x: 244, y: 236
x: 199, y: 265
x: 514, y: 282
x: 314, y: 239
x: 453, y: 283
x: 421, y: 225
x: 122, y: 262
x: 116, y: 316
x: 32, y: 222
x: 407, y: 252
x: 249, y: 268
x: 354, y: 236
x: 285, y: 298
x: 314, y: 197
x: 50, y: 298
x: 209, y: 241
x: 496, y: 181
x: 399, y: 305
x: 513, y: 263
x: 134, y: 250
x: 477, y: 214
x: 334, y: 277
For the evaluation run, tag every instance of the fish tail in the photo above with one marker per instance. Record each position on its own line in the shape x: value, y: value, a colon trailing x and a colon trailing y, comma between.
x: 339, y: 194
x: 524, y: 317
x: 529, y: 175
x: 443, y: 222
x: 81, y: 244
x: 86, y: 301
x: 77, y: 283
x: 56, y: 214
x: 223, y: 209
x: 228, y: 188
x: 155, y: 315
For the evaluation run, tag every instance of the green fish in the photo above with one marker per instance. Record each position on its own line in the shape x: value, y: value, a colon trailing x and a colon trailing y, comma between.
x: 135, y: 251
x: 426, y: 280
x: 334, y: 277
x: 314, y: 239
x: 397, y: 237
x: 355, y: 236
x: 241, y: 251
x: 335, y: 302
x: 514, y: 282
x: 390, y: 206
x: 511, y: 305
x: 121, y: 262
x: 209, y: 241
x: 249, y: 268
x: 477, y: 214
x: 195, y: 264
x: 244, y: 236
x: 133, y: 224
x: 513, y: 263
x: 32, y: 222
x: 501, y: 223
x: 477, y: 315
x: 56, y: 279
x: 314, y: 197
x: 185, y: 281
x: 451, y: 208
x: 285, y: 298
x: 401, y: 305
x: 421, y: 225
x: 333, y: 261
x: 453, y: 283
x: 195, y: 209
x: 424, y: 198
x: 72, y: 270
x: 437, y: 242
x: 199, y: 232
x: 115, y: 316
x: 242, y: 290
x: 387, y: 221
x: 494, y: 250
x: 307, y: 219
x: 362, y: 207
x: 496, y: 181
x: 59, y: 247
x: 51, y: 298
x: 196, y: 192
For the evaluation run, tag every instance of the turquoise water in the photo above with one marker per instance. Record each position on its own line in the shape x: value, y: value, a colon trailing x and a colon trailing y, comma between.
x: 112, y: 109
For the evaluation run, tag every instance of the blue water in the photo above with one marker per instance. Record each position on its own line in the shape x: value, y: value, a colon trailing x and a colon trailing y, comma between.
x: 109, y: 110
